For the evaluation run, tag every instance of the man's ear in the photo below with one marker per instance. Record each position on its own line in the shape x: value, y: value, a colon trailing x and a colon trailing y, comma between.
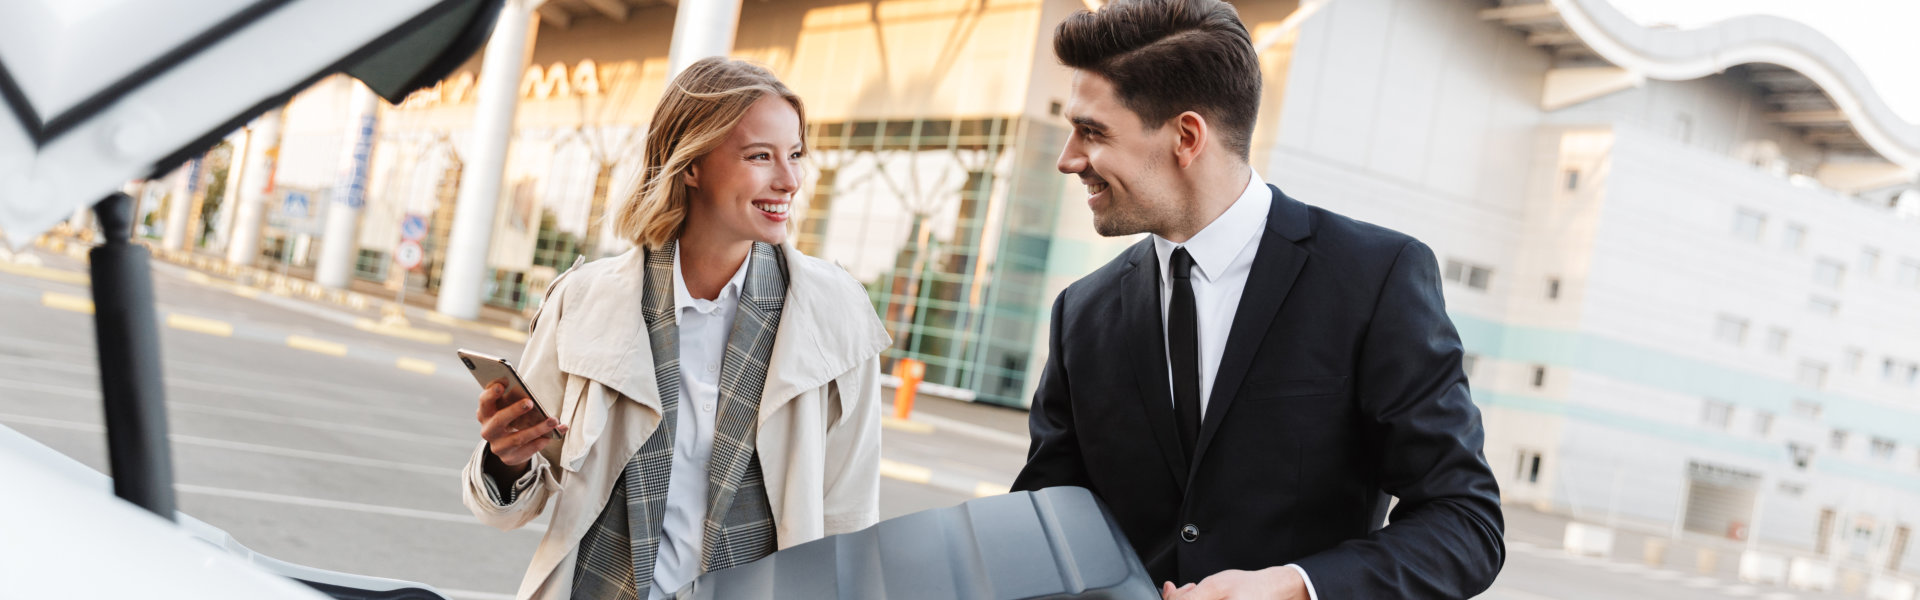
x: 1191, y: 133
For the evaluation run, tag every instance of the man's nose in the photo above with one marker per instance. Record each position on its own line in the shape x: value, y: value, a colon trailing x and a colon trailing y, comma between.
x: 1071, y: 160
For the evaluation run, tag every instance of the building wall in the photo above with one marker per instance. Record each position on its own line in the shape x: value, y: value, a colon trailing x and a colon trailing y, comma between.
x: 1421, y: 117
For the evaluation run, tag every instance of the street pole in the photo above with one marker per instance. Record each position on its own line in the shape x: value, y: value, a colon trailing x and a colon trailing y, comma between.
x: 126, y: 332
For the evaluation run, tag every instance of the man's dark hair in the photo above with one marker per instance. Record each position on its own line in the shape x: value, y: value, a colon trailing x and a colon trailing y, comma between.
x: 1166, y: 57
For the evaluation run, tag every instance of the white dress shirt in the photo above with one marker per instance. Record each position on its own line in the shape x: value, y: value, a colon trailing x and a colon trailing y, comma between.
x: 1222, y: 254
x: 704, y: 326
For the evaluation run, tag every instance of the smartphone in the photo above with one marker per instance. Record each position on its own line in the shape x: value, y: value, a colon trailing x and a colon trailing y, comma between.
x: 488, y: 370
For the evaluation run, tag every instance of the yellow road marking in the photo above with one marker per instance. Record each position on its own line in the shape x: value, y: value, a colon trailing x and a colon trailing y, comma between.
x: 67, y: 302
x: 989, y: 489
x: 416, y: 365
x: 905, y: 472
x: 246, y: 292
x: 300, y: 342
x: 907, y: 426
x: 198, y: 277
x: 442, y: 319
x: 512, y: 335
x: 403, y: 332
x: 199, y: 325
x: 38, y: 272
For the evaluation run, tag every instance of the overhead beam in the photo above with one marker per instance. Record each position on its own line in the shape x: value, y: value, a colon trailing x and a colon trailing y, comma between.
x: 1522, y: 14
x: 1552, y: 38
x: 1808, y: 117
x: 554, y: 14
x: 1567, y: 86
x: 1800, y: 98
x: 1834, y: 138
x: 1780, y: 78
x: 617, y: 10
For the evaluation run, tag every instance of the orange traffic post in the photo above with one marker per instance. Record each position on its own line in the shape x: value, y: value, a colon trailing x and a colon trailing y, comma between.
x: 910, y: 372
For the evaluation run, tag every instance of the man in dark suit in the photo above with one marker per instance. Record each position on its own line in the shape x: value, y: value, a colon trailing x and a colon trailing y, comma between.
x: 1246, y: 386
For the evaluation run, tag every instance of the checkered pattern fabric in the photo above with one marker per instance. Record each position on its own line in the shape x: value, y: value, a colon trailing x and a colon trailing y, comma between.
x: 618, y: 552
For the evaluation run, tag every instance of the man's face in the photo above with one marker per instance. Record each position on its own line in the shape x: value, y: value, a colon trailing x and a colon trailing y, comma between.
x: 1124, y: 164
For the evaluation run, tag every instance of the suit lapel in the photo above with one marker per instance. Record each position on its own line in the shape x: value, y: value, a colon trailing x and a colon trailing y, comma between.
x: 1146, y: 346
x: 1275, y: 266
x: 743, y: 373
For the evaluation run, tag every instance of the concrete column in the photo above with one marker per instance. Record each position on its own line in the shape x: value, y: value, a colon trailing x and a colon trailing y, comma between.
x: 179, y: 206
x: 465, y: 276
x: 230, y: 195
x: 701, y: 29
x: 81, y: 221
x: 341, y: 240
x: 256, y: 186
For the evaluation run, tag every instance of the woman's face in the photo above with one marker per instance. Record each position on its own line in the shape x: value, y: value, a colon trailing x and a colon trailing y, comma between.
x: 743, y: 189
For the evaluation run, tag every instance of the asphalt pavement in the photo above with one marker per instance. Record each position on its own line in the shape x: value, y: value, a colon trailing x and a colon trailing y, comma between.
x: 316, y: 434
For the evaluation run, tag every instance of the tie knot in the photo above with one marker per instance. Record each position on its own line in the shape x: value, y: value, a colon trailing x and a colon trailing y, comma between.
x: 1181, y: 264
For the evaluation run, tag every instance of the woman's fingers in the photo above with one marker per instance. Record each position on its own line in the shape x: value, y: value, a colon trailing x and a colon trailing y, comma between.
x: 489, y: 402
x: 501, y: 423
x: 520, y: 446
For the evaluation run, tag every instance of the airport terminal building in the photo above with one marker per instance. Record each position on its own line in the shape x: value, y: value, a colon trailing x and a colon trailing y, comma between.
x: 1683, y: 261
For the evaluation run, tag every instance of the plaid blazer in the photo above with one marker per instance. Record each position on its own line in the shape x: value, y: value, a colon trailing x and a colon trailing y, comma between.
x: 618, y: 552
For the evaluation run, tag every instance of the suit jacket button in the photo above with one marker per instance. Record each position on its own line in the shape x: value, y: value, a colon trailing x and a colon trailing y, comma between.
x: 1190, y: 533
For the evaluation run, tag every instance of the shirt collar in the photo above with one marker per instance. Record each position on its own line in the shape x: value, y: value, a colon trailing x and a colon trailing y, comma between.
x: 683, y: 299
x: 1220, y: 241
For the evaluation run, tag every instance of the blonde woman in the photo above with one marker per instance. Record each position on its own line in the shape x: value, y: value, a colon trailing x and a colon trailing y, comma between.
x: 717, y: 392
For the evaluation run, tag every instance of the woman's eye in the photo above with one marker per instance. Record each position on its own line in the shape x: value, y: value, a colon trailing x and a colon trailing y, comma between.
x: 797, y: 156
x: 760, y: 156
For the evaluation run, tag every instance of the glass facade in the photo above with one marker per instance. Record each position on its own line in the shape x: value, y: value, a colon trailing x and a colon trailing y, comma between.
x: 933, y: 217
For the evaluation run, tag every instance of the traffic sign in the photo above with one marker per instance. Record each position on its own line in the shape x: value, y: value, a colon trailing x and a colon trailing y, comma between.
x: 413, y: 227
x: 408, y: 255
x: 295, y: 205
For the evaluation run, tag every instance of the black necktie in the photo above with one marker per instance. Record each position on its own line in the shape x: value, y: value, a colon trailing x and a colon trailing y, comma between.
x: 1183, y: 350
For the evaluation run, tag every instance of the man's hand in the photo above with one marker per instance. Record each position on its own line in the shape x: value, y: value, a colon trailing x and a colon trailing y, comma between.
x: 1277, y: 583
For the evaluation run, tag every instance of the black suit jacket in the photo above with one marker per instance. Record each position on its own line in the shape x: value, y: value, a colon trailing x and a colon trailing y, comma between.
x: 1340, y: 384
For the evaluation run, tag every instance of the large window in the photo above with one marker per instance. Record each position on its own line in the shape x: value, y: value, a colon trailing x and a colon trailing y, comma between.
x: 1828, y: 272
x: 1716, y: 414
x: 1747, y: 225
x: 1474, y: 276
x: 1731, y: 330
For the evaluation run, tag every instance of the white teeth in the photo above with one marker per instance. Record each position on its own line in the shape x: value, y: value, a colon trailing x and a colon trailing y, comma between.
x: 772, y: 208
x: 1095, y: 188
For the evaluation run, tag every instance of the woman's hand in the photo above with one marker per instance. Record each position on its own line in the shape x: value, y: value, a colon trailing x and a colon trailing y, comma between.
x: 514, y: 433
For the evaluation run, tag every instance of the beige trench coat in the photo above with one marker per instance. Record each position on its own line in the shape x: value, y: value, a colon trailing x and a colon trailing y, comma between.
x: 588, y: 359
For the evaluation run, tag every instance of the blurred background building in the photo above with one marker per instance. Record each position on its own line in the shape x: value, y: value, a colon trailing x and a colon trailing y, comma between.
x: 1684, y: 262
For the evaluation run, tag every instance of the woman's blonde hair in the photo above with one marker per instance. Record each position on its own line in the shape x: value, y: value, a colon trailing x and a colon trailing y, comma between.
x: 697, y: 112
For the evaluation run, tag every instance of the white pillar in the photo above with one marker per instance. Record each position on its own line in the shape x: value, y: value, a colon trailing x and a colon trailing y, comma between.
x: 465, y: 275
x: 701, y: 29
x: 243, y: 248
x: 82, y: 220
x: 230, y: 195
x: 339, y: 244
x: 179, y: 206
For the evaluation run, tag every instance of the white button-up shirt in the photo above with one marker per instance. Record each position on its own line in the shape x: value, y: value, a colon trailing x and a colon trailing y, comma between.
x: 1222, y: 257
x: 1222, y: 254
x: 704, y: 326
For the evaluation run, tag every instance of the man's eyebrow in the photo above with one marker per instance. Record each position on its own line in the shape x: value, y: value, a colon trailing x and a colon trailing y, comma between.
x: 1088, y: 122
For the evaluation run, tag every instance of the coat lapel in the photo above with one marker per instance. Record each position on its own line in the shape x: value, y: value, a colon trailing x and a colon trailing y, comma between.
x: 604, y: 337
x: 1146, y: 346
x: 743, y: 371
x: 1275, y: 266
